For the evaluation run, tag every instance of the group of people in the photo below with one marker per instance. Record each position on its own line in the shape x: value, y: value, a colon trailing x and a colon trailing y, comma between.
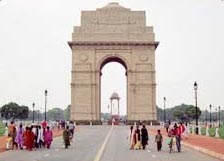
x: 139, y: 137
x: 175, y: 133
x: 34, y: 136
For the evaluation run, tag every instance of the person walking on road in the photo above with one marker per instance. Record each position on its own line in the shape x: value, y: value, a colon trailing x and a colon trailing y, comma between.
x: 159, y: 140
x: 66, y: 137
x: 20, y: 137
x: 137, y: 138
x: 144, y: 137
x: 130, y: 137
x: 177, y: 130
x: 14, y: 144
x: 10, y: 127
x: 166, y: 125
x: 48, y: 137
x: 71, y: 129
x: 29, y: 138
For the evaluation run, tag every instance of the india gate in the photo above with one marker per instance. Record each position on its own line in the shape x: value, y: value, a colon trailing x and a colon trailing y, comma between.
x: 113, y: 34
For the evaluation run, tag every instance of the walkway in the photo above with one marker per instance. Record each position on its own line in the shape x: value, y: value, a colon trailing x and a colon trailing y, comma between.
x: 89, y: 140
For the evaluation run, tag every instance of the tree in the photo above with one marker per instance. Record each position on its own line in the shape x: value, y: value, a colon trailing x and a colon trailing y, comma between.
x: 55, y: 114
x: 9, y: 110
x: 185, y: 112
x: 191, y: 112
x: 13, y: 110
x: 23, y: 112
x: 178, y: 113
x: 67, y: 112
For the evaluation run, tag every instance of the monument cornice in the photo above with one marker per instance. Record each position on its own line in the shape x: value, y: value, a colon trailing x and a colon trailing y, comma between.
x: 113, y: 44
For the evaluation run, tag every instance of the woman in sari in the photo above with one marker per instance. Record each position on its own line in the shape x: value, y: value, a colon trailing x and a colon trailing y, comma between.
x: 48, y: 137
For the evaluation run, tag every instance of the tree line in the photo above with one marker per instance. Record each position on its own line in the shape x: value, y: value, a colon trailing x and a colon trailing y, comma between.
x: 13, y: 111
x: 183, y: 112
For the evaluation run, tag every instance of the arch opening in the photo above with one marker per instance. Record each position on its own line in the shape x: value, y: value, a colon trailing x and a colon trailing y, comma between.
x: 113, y: 90
x: 113, y: 59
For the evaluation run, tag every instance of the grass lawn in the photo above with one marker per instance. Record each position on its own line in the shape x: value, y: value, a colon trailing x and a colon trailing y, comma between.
x: 2, y: 129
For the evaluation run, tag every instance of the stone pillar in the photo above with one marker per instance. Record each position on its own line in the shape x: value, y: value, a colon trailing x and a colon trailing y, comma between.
x: 199, y: 130
x: 217, y: 132
x: 207, y: 133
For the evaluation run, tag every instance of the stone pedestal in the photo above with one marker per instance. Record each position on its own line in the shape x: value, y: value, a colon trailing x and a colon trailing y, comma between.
x: 217, y: 132
x: 207, y: 133
x: 199, y: 130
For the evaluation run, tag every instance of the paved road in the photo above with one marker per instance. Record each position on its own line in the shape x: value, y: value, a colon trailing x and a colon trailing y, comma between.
x: 117, y: 150
x: 88, y: 145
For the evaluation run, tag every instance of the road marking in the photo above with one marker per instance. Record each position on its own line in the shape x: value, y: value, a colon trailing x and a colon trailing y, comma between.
x: 100, y: 152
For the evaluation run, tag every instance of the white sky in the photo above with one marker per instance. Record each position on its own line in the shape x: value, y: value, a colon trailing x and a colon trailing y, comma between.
x: 34, y: 54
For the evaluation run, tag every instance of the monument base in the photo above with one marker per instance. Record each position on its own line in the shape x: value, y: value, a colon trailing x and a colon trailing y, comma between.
x: 141, y: 122
x: 87, y: 122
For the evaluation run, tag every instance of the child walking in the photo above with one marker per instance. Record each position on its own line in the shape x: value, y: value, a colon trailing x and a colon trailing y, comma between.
x: 9, y: 142
x: 159, y: 140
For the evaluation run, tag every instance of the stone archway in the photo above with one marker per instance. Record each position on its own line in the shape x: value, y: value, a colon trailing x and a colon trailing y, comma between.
x: 113, y: 33
x: 122, y: 62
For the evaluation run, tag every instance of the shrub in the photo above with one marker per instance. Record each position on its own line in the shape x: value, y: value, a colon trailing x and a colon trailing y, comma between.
x: 211, y: 131
x: 221, y: 132
x: 203, y: 131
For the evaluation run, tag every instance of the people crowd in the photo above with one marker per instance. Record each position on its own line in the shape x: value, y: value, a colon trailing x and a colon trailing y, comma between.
x: 138, y: 139
x: 37, y: 136
x: 29, y: 137
x: 41, y: 136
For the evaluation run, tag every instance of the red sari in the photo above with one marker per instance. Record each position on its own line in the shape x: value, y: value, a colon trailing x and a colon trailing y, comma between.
x: 25, y: 138
x: 29, y: 140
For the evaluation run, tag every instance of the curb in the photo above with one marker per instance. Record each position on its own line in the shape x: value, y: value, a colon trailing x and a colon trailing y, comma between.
x: 205, y: 151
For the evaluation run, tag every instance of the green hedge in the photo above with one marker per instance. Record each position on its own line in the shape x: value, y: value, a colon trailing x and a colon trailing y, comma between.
x: 2, y: 129
x: 221, y: 132
x: 211, y: 131
x: 203, y: 131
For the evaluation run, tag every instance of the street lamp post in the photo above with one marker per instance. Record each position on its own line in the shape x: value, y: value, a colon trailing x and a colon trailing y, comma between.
x: 206, y: 117
x: 45, y: 116
x: 196, y: 106
x: 33, y: 111
x: 210, y: 119
x: 164, y: 110
x: 219, y: 116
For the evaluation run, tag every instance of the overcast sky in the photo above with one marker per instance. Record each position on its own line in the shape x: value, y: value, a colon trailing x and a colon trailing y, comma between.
x: 34, y: 54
